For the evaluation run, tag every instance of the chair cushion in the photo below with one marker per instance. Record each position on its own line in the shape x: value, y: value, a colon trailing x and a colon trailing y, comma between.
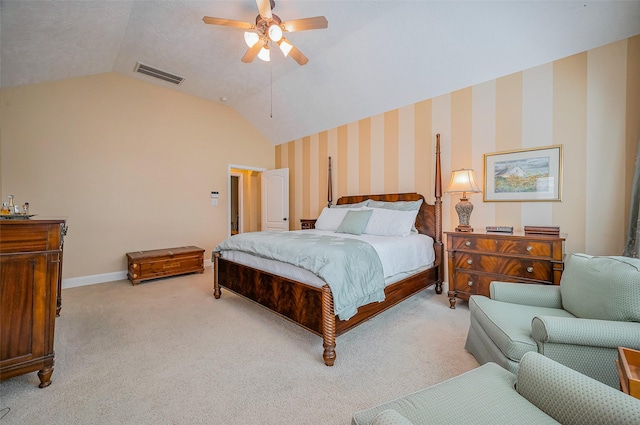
x: 509, y: 325
x: 605, y: 288
x: 390, y: 417
x: 485, y: 395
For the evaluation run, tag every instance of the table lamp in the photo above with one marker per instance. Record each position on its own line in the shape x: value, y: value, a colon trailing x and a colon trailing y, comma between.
x: 463, y: 181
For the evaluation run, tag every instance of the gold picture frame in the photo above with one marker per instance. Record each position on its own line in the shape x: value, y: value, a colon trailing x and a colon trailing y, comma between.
x: 525, y: 175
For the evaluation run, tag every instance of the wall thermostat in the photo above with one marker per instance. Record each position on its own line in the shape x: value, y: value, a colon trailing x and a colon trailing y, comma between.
x: 215, y: 195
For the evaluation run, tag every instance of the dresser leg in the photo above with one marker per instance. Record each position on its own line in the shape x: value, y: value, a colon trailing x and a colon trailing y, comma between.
x: 452, y: 299
x: 45, y: 376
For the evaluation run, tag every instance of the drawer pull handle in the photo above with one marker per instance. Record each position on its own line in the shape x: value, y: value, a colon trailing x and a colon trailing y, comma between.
x: 467, y: 243
x: 529, y: 248
x: 530, y: 269
x: 469, y: 261
x: 135, y: 275
x: 135, y: 266
x: 470, y: 282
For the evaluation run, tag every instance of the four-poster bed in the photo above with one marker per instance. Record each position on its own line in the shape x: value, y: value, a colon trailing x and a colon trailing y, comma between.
x: 312, y: 306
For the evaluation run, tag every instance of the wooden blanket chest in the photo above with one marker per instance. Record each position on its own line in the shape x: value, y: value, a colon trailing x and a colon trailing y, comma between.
x: 153, y: 264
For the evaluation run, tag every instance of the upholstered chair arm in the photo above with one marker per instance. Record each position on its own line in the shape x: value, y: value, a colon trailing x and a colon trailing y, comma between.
x: 527, y: 294
x: 570, y: 397
x: 589, y: 332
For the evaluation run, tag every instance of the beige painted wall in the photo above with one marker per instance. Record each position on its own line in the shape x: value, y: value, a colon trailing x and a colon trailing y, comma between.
x: 589, y: 103
x: 130, y: 164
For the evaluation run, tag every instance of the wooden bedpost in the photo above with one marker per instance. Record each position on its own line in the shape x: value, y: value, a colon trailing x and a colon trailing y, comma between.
x: 216, y: 284
x: 328, y: 327
x: 329, y: 186
x: 438, y: 205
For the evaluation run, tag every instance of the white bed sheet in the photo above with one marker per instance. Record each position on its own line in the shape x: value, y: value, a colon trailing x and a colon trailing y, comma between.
x: 400, y: 257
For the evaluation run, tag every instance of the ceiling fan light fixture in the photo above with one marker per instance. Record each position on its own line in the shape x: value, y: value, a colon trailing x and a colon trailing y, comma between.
x: 275, y: 32
x: 264, y: 53
x: 269, y: 28
x: 251, y: 38
x: 285, y: 47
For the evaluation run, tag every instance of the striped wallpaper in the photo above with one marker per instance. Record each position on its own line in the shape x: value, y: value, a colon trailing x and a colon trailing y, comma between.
x: 589, y: 103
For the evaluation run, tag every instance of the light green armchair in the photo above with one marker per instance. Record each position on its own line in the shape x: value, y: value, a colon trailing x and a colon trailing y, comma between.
x: 579, y: 324
x: 542, y: 392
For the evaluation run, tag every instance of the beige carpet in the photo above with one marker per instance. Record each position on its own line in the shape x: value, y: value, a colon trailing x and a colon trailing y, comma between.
x: 167, y: 352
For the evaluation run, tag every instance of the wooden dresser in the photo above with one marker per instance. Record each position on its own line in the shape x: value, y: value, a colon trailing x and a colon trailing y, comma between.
x: 476, y: 259
x: 30, y: 278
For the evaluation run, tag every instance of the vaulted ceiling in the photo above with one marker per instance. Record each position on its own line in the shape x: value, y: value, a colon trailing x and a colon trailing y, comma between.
x: 374, y: 56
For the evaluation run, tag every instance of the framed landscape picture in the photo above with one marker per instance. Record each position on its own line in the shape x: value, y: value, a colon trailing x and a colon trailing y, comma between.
x: 524, y: 175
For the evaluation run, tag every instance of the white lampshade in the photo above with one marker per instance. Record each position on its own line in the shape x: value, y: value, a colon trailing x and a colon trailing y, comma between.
x: 285, y: 47
x: 264, y: 53
x: 463, y: 180
x: 275, y: 32
x: 251, y: 38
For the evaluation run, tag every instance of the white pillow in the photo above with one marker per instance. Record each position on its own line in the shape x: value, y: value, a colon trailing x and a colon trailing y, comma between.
x: 330, y: 218
x: 398, y: 205
x: 385, y: 222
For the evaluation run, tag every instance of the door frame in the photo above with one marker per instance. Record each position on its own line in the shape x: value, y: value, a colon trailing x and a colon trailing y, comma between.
x: 240, y: 200
x: 229, y: 174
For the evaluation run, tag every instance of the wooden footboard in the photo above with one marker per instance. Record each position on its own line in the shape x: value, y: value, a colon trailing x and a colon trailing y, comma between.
x: 308, y: 306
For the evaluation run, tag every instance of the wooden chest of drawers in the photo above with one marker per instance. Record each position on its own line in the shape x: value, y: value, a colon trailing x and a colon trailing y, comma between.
x: 30, y: 279
x: 477, y: 259
x: 145, y: 265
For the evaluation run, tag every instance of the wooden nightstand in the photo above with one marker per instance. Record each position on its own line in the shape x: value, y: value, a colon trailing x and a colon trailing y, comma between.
x: 307, y: 223
x: 476, y: 259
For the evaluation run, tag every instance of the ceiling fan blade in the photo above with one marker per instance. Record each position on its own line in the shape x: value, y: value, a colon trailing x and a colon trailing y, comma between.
x: 315, y: 23
x: 298, y: 56
x: 228, y: 23
x: 264, y: 6
x: 253, y: 51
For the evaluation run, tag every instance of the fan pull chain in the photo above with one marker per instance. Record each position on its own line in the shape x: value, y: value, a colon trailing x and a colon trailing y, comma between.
x: 271, y: 88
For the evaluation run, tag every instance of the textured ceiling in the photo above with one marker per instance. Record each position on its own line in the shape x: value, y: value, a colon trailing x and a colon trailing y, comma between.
x: 374, y: 56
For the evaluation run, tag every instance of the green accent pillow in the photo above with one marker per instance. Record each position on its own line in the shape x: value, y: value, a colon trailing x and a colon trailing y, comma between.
x: 605, y: 288
x: 356, y: 205
x: 355, y: 222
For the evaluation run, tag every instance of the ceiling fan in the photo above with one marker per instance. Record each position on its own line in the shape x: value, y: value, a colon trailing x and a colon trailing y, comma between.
x: 269, y: 29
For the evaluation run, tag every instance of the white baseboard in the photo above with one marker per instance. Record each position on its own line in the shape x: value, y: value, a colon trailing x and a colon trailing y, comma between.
x: 74, y: 282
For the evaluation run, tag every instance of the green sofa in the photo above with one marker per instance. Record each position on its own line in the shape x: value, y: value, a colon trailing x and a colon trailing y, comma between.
x: 579, y: 324
x: 542, y: 392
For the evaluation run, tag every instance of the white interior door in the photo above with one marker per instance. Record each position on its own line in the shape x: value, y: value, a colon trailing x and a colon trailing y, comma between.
x: 275, y: 200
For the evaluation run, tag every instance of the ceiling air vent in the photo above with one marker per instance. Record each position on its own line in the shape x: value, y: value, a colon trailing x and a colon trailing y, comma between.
x: 157, y: 73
